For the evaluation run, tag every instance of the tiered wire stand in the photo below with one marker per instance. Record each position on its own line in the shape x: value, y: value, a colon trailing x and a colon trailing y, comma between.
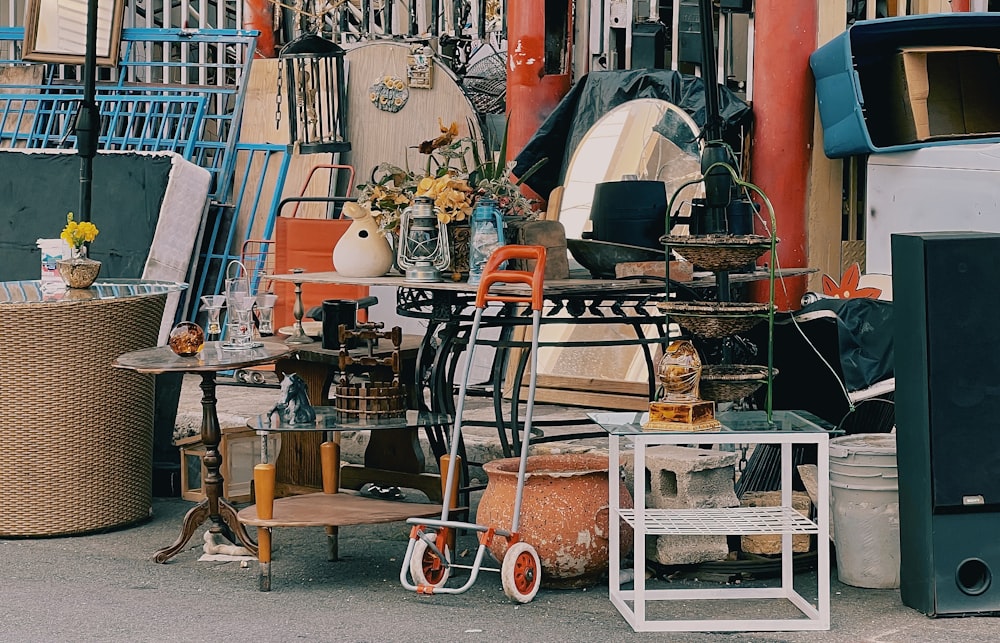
x: 644, y: 608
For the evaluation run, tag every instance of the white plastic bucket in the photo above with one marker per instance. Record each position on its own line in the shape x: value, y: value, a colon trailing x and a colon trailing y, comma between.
x: 52, y: 251
x: 864, y: 497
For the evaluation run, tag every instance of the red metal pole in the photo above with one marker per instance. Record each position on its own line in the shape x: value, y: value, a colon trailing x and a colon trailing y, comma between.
x: 783, y: 105
x: 960, y: 5
x: 535, y: 85
x: 259, y: 15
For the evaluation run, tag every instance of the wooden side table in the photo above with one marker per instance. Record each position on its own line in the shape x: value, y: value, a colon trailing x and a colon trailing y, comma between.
x: 333, y: 508
x: 212, y: 359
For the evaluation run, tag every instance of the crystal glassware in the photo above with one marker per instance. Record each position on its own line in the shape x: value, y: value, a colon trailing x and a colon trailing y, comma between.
x: 240, y: 301
x: 213, y: 307
x: 265, y: 312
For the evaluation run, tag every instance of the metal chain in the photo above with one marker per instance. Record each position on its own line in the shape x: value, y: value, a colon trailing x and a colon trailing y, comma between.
x: 277, y: 102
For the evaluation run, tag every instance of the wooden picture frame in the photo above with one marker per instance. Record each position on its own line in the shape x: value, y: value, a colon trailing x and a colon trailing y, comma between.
x: 55, y: 31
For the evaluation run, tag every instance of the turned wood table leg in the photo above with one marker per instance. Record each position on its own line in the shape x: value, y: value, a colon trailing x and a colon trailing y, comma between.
x: 264, y: 558
x: 214, y: 508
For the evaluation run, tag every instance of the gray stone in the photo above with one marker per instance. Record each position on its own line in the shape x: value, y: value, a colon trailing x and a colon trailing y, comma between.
x: 685, y: 477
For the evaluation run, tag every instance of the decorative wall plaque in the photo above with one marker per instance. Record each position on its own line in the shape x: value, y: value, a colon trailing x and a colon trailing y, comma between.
x: 420, y: 67
x: 389, y: 93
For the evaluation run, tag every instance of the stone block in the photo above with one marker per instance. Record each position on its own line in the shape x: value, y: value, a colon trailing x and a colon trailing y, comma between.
x: 771, y: 544
x: 551, y: 235
x: 680, y: 477
x: 686, y: 550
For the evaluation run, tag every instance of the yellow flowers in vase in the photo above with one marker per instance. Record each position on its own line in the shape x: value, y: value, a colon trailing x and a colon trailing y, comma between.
x: 77, y: 234
x: 78, y: 271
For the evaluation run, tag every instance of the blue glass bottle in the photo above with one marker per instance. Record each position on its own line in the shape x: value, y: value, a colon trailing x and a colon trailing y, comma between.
x: 485, y: 235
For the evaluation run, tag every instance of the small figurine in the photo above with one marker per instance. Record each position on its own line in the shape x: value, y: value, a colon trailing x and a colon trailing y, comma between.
x: 294, y: 406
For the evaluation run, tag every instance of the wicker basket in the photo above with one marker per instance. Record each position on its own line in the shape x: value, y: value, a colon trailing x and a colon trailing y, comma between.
x: 731, y: 382
x: 714, y: 318
x: 719, y: 252
x: 77, y: 433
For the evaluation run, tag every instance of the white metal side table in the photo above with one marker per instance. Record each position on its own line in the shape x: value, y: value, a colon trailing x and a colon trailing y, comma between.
x: 749, y: 427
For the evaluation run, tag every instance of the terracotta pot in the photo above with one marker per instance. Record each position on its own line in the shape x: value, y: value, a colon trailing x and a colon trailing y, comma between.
x: 564, y: 514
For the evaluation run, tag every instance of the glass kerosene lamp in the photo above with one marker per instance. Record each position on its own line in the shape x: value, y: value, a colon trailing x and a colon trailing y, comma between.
x: 423, y: 242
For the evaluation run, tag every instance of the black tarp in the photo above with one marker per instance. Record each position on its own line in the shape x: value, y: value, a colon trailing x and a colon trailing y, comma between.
x: 39, y: 189
x: 596, y: 94
x: 833, y: 345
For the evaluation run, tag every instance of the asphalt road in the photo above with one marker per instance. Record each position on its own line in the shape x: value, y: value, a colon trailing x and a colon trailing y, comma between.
x: 105, y: 587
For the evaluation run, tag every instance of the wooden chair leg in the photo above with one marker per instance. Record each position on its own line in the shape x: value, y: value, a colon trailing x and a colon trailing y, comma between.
x: 332, y: 544
x: 264, y: 558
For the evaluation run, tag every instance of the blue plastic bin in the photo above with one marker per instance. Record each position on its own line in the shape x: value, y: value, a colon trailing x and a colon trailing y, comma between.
x: 857, y: 105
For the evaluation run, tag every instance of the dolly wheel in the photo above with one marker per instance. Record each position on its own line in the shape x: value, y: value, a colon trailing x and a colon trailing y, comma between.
x: 425, y: 566
x: 521, y: 573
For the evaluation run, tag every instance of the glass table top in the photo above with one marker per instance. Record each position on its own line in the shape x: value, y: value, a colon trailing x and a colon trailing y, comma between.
x: 630, y: 422
x: 329, y: 418
x: 35, y: 292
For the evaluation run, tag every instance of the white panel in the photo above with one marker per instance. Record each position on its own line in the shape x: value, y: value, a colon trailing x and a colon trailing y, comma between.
x: 945, y: 188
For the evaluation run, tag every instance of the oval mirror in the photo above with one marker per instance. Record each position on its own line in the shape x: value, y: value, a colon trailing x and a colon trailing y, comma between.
x: 648, y: 138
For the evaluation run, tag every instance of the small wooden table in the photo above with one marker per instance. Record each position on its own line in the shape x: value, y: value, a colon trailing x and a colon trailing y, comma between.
x: 212, y: 359
x: 337, y: 508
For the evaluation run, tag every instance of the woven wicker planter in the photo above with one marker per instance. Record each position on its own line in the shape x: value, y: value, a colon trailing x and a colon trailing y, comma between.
x: 715, y: 318
x: 77, y: 433
x: 718, y: 252
x: 731, y: 382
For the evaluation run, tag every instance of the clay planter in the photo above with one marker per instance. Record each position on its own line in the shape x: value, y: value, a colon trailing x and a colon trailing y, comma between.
x: 564, y: 514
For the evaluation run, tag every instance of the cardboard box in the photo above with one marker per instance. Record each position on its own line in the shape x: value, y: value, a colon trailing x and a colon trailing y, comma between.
x: 946, y: 93
x: 855, y: 71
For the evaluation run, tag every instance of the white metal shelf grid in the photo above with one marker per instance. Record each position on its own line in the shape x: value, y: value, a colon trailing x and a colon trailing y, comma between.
x: 644, y: 603
x: 744, y: 521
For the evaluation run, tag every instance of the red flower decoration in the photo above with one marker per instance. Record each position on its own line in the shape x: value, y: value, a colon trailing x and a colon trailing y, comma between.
x: 848, y: 286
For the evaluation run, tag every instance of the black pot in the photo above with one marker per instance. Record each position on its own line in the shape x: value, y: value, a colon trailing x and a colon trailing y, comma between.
x: 630, y: 212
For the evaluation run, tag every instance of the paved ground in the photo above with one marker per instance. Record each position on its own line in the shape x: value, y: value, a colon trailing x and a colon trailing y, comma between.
x: 106, y: 588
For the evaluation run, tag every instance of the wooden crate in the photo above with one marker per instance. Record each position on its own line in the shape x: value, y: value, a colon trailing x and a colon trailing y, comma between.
x: 240, y: 451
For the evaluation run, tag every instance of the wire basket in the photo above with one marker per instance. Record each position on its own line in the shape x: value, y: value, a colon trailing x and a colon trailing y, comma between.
x: 731, y: 382
x: 719, y: 252
x: 714, y: 318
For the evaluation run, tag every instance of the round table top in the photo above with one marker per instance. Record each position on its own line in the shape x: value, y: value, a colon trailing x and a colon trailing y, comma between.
x: 34, y: 292
x: 212, y: 357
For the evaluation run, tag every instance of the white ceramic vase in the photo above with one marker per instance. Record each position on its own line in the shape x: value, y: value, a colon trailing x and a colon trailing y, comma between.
x: 363, y: 251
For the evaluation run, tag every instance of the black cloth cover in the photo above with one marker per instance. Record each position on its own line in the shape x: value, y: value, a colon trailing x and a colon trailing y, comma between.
x: 596, y: 94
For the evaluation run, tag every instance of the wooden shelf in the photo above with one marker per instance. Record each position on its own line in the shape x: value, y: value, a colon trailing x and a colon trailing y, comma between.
x: 336, y: 510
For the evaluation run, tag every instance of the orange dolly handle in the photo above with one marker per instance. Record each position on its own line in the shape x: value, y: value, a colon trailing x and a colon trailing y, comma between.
x: 492, y: 275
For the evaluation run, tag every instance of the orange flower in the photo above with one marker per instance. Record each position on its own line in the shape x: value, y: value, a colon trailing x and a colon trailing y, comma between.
x: 848, y: 286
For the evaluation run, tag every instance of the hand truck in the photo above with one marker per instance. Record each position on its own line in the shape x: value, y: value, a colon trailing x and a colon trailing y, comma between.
x: 428, y: 561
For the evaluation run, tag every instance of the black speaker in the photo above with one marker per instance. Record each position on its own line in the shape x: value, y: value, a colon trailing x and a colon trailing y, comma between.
x: 947, y: 366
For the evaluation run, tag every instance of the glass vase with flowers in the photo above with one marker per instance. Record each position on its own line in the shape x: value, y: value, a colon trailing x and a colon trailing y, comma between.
x: 79, y: 271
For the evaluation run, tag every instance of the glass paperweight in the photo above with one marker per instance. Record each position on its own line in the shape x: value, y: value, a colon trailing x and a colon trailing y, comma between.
x: 679, y: 372
x: 186, y: 339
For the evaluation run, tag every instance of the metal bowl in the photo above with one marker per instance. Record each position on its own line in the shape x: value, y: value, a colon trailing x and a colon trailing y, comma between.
x: 601, y: 257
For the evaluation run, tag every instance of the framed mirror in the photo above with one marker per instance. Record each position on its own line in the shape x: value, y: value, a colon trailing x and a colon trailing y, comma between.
x: 651, y: 139
x: 56, y: 31
x: 648, y: 138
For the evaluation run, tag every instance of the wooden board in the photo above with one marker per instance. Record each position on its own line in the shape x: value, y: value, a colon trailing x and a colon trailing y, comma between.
x: 336, y: 510
x: 259, y: 126
x: 385, y: 137
x: 19, y: 75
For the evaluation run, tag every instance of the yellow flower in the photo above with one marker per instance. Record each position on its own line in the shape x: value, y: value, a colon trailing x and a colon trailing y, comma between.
x: 76, y: 234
